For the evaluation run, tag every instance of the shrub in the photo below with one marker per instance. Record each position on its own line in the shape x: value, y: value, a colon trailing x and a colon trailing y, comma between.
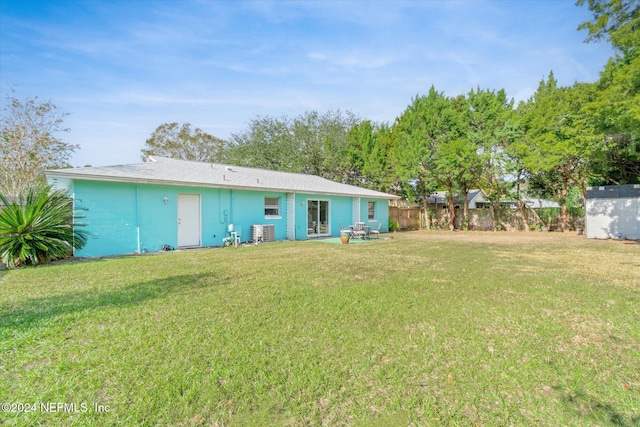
x: 38, y: 228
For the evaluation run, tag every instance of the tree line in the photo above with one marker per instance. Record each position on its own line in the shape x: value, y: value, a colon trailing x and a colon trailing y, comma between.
x: 552, y: 145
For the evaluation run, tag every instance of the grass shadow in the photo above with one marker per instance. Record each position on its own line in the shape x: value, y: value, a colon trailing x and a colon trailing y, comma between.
x: 588, y: 407
x: 32, y: 312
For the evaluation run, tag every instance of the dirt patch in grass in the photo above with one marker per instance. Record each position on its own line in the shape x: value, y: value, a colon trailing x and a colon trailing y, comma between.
x: 535, y: 251
x: 497, y: 237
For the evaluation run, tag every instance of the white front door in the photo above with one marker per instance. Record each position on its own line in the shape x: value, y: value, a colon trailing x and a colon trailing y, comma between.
x: 188, y: 220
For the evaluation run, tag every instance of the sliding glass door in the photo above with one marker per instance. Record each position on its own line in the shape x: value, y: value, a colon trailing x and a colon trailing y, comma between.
x: 318, y: 218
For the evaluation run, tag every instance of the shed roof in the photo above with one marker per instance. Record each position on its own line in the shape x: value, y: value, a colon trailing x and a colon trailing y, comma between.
x: 161, y: 170
x: 614, y: 191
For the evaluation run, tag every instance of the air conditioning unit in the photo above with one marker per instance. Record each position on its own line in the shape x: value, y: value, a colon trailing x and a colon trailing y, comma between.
x: 263, y: 233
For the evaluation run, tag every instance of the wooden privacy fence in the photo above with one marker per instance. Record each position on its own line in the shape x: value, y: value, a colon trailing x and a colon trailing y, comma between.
x: 412, y: 218
x: 404, y: 218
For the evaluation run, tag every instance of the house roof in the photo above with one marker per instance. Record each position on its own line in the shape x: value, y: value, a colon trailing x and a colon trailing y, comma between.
x: 532, y: 203
x: 442, y: 197
x: 161, y: 170
x: 540, y: 203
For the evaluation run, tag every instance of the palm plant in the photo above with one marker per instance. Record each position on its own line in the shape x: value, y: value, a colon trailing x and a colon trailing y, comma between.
x: 38, y: 228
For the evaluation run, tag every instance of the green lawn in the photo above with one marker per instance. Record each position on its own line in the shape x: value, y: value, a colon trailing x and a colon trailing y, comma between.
x: 420, y: 329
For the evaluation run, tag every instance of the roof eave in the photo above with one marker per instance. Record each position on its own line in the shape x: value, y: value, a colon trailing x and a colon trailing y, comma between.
x: 132, y: 180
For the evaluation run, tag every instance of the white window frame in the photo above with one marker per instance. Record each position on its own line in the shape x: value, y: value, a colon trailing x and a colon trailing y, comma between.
x: 327, y: 232
x: 371, y: 217
x: 275, y: 207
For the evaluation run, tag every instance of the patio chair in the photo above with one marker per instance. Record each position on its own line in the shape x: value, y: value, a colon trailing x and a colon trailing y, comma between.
x: 359, y: 230
x: 375, y: 231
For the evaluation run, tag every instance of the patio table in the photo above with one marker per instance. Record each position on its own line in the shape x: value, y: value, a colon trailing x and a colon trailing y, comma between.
x: 359, y: 230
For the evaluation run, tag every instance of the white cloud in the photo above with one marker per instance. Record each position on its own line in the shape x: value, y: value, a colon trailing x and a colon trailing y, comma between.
x: 354, y: 59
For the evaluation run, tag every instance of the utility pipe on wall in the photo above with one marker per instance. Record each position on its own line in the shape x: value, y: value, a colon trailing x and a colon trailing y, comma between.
x: 138, y: 220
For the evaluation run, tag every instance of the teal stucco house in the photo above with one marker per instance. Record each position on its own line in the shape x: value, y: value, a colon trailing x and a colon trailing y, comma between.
x: 142, y: 207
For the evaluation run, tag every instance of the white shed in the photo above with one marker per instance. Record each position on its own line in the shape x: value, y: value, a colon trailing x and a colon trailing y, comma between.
x: 613, y: 212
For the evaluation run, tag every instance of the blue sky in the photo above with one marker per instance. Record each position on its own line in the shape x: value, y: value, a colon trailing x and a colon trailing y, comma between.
x: 121, y: 68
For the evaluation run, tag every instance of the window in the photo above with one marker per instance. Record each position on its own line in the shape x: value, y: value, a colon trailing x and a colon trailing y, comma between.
x: 272, y: 206
x: 372, y: 211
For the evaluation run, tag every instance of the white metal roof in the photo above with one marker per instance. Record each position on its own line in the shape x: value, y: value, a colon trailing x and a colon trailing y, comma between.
x: 160, y: 170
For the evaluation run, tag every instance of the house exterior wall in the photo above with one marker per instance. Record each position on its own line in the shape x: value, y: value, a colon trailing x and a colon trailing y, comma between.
x: 109, y: 212
x: 340, y: 213
x: 125, y: 218
x: 381, y: 215
x: 247, y: 209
